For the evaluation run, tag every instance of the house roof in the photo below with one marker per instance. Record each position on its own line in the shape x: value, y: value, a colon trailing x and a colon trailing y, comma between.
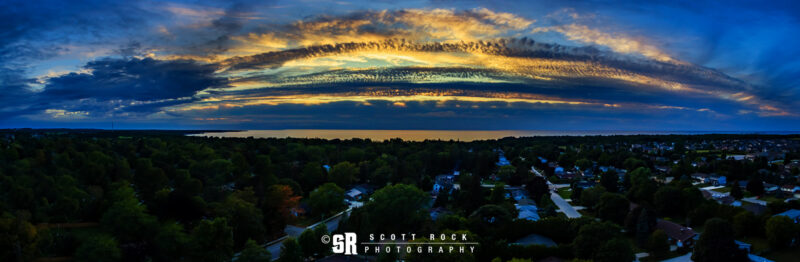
x: 791, y: 213
x: 675, y: 231
x: 528, y: 215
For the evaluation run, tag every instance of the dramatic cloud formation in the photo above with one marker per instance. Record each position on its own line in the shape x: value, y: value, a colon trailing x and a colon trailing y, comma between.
x: 296, y: 65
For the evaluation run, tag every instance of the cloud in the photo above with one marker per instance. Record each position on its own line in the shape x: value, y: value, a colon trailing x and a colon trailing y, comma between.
x: 440, y: 25
x: 130, y: 86
x: 618, y: 42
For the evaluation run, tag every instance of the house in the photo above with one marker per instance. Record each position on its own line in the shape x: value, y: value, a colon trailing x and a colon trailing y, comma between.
x: 354, y: 195
x: 770, y: 188
x: 743, y: 183
x: 518, y: 194
x: 358, y: 192
x: 585, y: 184
x: 700, y: 177
x: 502, y: 161
x: 679, y: 235
x: 443, y: 182
x: 793, y: 214
x: 743, y: 245
x: 527, y: 211
x: 716, y: 180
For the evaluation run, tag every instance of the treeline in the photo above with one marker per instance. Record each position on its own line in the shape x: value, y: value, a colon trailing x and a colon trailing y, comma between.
x: 166, y: 197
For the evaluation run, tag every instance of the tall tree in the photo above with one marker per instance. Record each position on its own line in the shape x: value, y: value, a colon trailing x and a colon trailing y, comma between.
x: 780, y: 230
x: 397, y: 208
x: 252, y: 252
x: 736, y: 191
x: 343, y: 174
x: 755, y: 186
x: 291, y: 251
x: 243, y: 216
x: 537, y: 187
x: 276, y: 206
x: 658, y: 244
x: 717, y: 244
x: 100, y: 248
x: 127, y: 218
x: 613, y: 207
x: 212, y: 240
x: 610, y: 180
x: 326, y: 199
x: 643, y: 227
x: 668, y: 201
x: 615, y: 250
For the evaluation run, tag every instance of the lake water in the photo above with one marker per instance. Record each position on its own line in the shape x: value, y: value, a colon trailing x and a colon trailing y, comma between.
x: 420, y: 135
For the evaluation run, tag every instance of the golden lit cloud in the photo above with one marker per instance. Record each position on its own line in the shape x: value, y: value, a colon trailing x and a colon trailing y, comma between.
x: 618, y: 42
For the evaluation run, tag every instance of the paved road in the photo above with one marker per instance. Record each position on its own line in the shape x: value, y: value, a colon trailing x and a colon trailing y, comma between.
x: 565, y: 207
x: 274, y: 247
x: 562, y: 204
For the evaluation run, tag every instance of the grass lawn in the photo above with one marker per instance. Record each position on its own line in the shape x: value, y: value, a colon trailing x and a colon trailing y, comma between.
x: 761, y: 248
x: 789, y: 254
x: 723, y: 189
x: 771, y: 199
x: 760, y: 244
x: 565, y: 192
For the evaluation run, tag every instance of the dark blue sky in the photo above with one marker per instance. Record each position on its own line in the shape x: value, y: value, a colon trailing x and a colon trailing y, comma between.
x: 575, y: 65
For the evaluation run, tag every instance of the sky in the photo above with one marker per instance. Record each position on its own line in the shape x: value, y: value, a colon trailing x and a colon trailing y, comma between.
x: 447, y: 65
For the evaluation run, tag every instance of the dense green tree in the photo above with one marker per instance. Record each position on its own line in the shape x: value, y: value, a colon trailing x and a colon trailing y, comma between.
x: 327, y: 199
x: 498, y: 194
x: 343, y: 174
x: 780, y: 230
x: 127, y: 218
x: 658, y: 244
x: 736, y: 191
x: 537, y: 187
x: 312, y: 175
x: 716, y: 244
x: 668, y: 201
x: 644, y: 225
x: 278, y: 201
x: 583, y: 163
x: 592, y: 236
x: 243, y: 216
x: 755, y: 186
x: 576, y: 194
x: 615, y: 250
x: 613, y: 207
x: 610, y: 181
x: 632, y: 163
x: 397, y: 208
x: 504, y: 173
x: 18, y: 239
x: 310, y: 242
x: 591, y: 197
x: 253, y: 252
x: 291, y: 251
x: 442, y: 198
x: 745, y: 224
x: 212, y: 240
x: 171, y: 243
x: 100, y: 248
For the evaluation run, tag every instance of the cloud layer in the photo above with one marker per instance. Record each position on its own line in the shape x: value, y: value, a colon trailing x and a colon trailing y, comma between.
x: 241, y: 65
